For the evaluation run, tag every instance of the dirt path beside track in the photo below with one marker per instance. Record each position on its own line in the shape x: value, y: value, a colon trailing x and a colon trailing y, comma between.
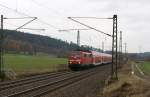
x: 130, y: 83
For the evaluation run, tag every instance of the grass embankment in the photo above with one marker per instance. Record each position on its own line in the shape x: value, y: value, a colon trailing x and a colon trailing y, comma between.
x: 24, y: 64
x: 145, y: 66
x: 127, y: 85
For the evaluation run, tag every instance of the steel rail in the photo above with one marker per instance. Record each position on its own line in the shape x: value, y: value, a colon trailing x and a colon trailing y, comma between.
x: 15, y: 83
x: 50, y: 83
x: 26, y: 86
x: 63, y: 84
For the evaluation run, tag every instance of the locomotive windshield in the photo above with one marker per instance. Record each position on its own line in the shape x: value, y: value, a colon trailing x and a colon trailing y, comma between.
x: 75, y: 54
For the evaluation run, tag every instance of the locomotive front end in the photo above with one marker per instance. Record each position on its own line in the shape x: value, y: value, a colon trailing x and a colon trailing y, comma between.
x: 74, y: 60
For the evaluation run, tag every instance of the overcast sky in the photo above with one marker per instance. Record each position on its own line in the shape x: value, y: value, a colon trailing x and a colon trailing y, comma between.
x: 133, y: 19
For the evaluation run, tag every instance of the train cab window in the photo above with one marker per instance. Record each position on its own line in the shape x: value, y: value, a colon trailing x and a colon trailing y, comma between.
x: 85, y: 55
x: 90, y: 55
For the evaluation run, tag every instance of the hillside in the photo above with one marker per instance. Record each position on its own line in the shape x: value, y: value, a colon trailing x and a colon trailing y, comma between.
x: 139, y: 56
x: 25, y: 43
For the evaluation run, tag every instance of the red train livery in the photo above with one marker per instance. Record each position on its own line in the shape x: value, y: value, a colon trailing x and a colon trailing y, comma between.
x: 82, y: 59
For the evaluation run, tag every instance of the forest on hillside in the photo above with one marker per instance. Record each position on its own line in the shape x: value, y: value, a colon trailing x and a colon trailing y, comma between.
x: 25, y: 43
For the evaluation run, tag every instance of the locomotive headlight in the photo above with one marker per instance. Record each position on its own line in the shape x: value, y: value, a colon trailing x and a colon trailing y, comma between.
x: 79, y: 62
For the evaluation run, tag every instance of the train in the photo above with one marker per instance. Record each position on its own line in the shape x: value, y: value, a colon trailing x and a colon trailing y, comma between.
x: 78, y: 60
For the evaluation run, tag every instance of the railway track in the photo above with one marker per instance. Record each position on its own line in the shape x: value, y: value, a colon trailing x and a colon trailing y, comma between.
x: 40, y: 85
x: 11, y: 86
x: 14, y: 83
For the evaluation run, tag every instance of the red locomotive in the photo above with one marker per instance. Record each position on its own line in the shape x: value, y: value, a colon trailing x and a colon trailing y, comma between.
x: 81, y: 59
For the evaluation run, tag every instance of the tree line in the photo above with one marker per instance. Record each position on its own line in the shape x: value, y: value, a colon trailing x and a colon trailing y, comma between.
x: 26, y: 43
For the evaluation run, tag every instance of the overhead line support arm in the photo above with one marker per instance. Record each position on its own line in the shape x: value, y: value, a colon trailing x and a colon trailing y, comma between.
x: 89, y: 26
x: 26, y: 23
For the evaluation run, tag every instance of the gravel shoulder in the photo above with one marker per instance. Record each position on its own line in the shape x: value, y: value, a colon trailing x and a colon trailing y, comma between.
x: 130, y: 84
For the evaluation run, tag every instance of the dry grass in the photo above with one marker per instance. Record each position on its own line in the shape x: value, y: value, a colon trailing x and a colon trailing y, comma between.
x: 127, y: 85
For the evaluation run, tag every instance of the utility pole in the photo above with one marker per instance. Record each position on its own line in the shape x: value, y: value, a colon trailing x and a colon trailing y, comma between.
x: 78, y: 38
x: 1, y: 49
x: 102, y: 46
x: 78, y: 33
x: 140, y: 52
x: 125, y: 48
x: 120, y: 49
x: 125, y: 52
x: 114, y: 66
x: 114, y: 49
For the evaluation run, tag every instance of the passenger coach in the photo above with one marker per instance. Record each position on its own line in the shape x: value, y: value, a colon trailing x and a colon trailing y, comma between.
x: 82, y: 59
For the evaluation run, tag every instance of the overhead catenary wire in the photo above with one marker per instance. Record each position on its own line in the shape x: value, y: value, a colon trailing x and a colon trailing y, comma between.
x: 34, y: 29
x: 14, y: 10
x: 26, y: 23
x: 61, y: 30
x: 24, y: 14
x: 57, y: 13
x: 20, y: 18
x: 42, y: 5
x: 114, y: 73
x: 89, y: 26
x: 91, y: 17
x: 16, y: 5
x: 37, y: 29
x: 78, y: 33
x: 52, y: 26
x: 33, y: 18
x: 54, y: 11
x: 11, y: 24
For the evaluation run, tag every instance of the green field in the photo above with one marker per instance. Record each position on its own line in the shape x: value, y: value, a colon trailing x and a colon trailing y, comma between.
x: 145, y: 66
x: 32, y: 64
